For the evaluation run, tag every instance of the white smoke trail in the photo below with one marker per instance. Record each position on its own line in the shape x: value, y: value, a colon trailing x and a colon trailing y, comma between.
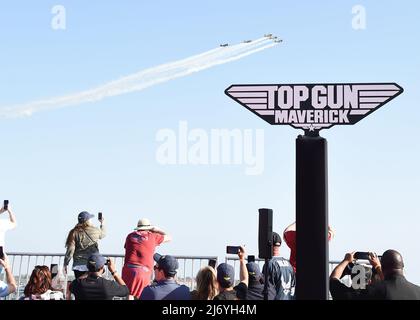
x: 188, y: 71
x: 144, y: 79
x: 181, y: 63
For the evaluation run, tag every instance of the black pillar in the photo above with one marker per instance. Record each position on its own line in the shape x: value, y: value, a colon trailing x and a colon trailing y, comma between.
x: 311, y: 217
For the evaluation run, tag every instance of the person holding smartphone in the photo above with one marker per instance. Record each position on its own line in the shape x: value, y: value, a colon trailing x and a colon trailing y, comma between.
x: 255, y: 281
x: 6, y: 225
x: 95, y: 286
x: 82, y: 242
x: 226, y: 279
x: 9, y: 286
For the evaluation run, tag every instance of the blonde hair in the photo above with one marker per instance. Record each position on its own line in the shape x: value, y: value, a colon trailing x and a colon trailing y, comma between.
x: 206, y: 280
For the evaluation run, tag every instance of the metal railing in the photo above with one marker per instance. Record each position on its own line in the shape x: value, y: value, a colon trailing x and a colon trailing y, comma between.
x: 22, y: 264
x: 234, y: 261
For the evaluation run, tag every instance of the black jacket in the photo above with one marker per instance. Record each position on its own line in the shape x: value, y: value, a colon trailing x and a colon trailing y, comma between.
x: 395, y: 287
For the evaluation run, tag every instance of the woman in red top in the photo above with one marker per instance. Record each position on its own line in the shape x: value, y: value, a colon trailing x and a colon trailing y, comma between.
x: 139, y: 250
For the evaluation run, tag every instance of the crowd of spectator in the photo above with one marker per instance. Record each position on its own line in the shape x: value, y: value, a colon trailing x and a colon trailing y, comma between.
x: 147, y: 275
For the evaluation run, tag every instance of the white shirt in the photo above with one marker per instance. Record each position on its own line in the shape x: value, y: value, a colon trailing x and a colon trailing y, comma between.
x: 4, y: 289
x: 5, y: 225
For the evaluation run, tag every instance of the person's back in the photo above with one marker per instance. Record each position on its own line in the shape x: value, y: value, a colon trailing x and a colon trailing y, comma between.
x: 281, y: 276
x: 166, y: 290
x: 9, y: 286
x: 281, y: 279
x: 48, y: 295
x: 39, y: 286
x: 207, y: 287
x: 140, y: 247
x: 97, y: 288
x: 82, y: 242
x: 165, y: 287
x: 239, y: 292
x: 93, y: 286
x: 226, y: 280
x: 255, y: 282
x: 394, y: 286
x: 255, y: 291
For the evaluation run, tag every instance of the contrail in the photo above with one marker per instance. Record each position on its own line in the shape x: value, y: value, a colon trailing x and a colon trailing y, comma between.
x: 144, y: 78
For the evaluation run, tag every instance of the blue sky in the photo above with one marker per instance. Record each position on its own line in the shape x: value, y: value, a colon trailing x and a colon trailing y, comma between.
x: 101, y: 156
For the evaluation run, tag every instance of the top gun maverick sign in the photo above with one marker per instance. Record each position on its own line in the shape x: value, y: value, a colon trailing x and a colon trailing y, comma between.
x: 313, y: 107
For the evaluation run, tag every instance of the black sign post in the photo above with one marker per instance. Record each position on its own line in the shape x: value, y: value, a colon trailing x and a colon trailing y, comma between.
x: 311, y: 218
x: 312, y: 107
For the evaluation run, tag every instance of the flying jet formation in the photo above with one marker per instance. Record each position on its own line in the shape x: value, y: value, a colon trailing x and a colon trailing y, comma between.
x: 272, y: 37
x: 247, y: 41
x: 224, y: 44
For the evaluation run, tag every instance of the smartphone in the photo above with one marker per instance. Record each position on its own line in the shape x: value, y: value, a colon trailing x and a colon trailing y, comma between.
x: 6, y: 204
x: 233, y: 249
x: 100, y: 216
x: 1, y: 253
x: 54, y: 270
x: 251, y: 259
x: 361, y: 255
x: 212, y: 263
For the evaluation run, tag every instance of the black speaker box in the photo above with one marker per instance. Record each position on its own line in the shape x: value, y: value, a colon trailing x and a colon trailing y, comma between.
x: 265, y: 233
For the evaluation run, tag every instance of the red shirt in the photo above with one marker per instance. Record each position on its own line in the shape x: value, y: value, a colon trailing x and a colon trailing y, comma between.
x: 140, y: 247
x: 290, y: 238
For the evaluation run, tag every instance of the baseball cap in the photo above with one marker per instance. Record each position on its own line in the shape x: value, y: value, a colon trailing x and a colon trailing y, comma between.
x: 95, y: 262
x: 167, y: 263
x: 225, y: 275
x: 276, y: 239
x: 253, y: 271
x: 84, y: 216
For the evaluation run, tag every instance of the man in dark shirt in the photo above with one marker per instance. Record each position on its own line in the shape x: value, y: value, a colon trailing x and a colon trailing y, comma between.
x: 394, y: 285
x: 281, y: 276
x: 255, y: 282
x: 94, y: 287
x: 165, y: 286
x: 226, y: 280
x: 339, y: 291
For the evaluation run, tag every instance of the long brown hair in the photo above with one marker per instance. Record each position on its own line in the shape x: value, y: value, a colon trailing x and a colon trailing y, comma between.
x: 78, y: 228
x: 206, y: 283
x: 40, y: 281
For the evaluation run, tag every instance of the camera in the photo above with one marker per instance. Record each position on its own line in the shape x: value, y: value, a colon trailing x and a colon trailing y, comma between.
x: 108, y: 262
x: 54, y: 270
x: 233, y: 249
x: 6, y: 204
x: 360, y: 255
x: 212, y: 263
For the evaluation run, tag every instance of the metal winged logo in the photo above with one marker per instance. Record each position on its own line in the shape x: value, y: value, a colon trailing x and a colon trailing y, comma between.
x: 313, y: 106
